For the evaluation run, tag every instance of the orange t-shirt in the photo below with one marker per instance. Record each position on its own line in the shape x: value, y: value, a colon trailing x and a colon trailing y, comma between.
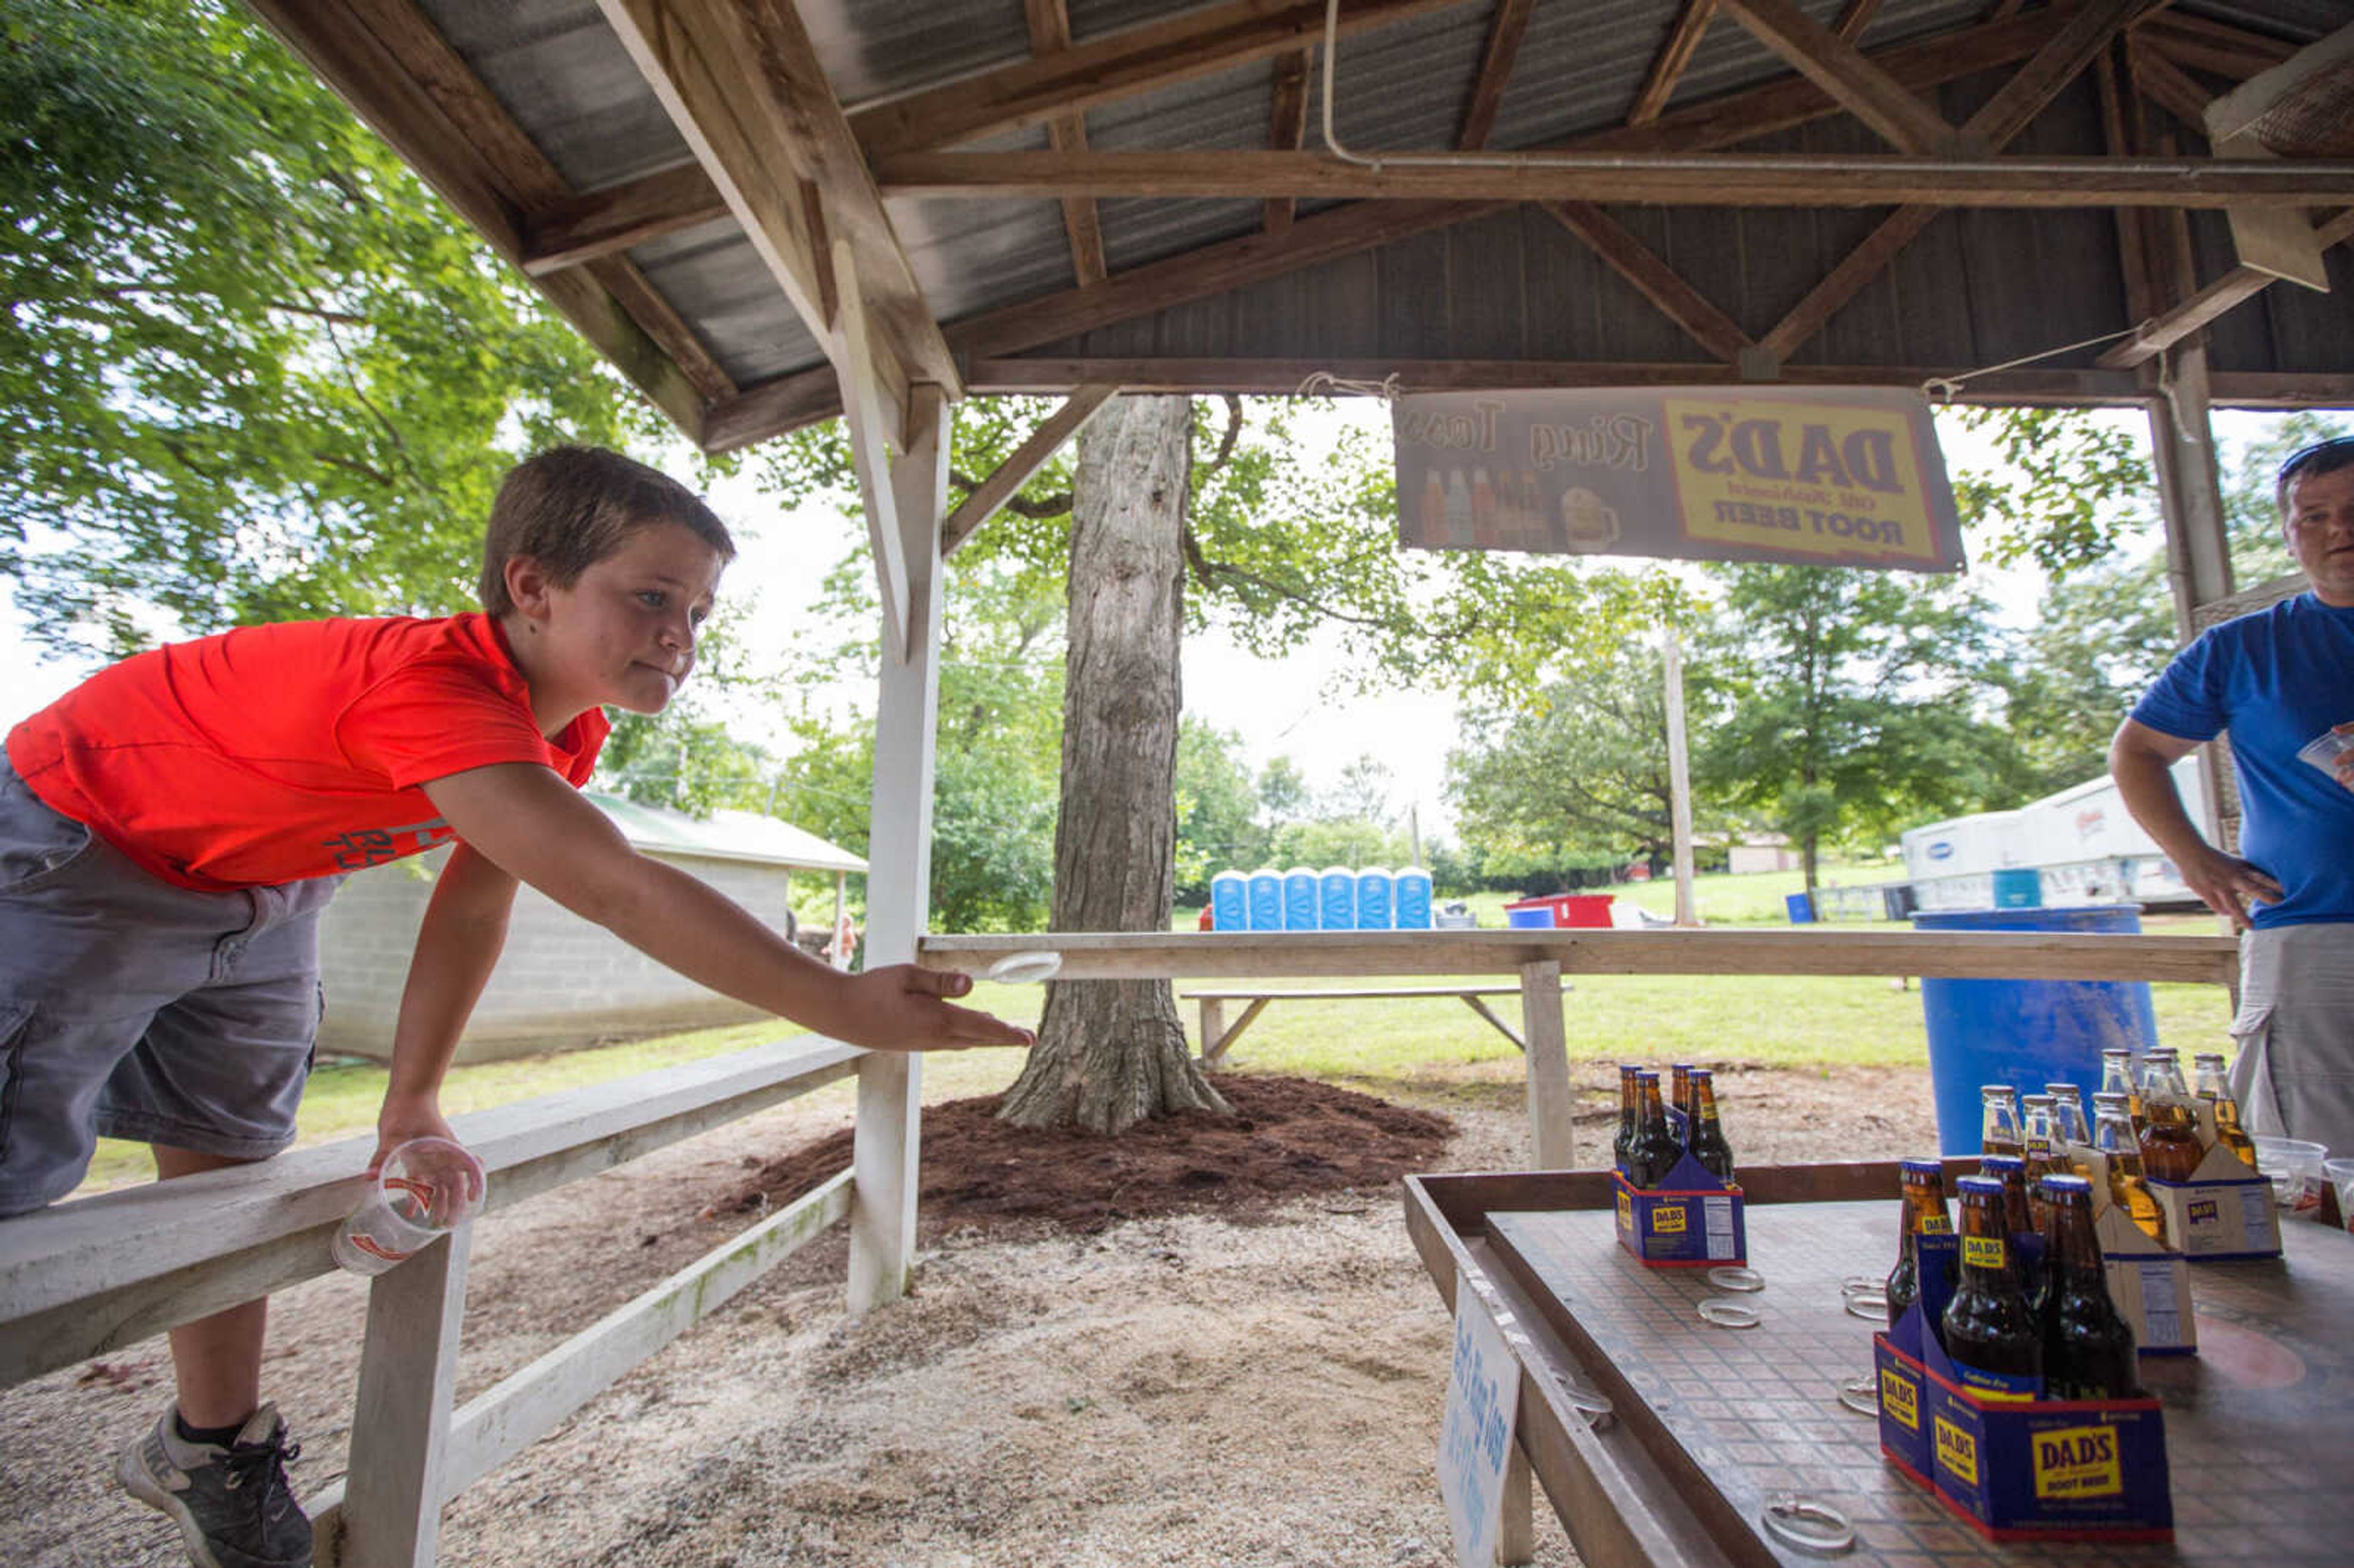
x: 278, y: 753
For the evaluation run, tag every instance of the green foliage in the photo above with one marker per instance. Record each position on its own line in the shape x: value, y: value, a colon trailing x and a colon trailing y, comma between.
x: 2102, y: 636
x: 1217, y: 809
x: 2078, y: 482
x: 1353, y: 841
x: 251, y: 368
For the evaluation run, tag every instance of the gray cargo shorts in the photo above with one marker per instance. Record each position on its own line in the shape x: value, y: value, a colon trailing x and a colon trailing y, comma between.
x: 132, y: 1008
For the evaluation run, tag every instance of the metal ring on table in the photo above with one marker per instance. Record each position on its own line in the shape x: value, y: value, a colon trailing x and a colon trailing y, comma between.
x: 1872, y: 1308
x: 1732, y: 1276
x: 1861, y: 1283
x: 1727, y: 1313
x: 1809, y: 1526
x: 1590, y: 1402
x: 1862, y: 1394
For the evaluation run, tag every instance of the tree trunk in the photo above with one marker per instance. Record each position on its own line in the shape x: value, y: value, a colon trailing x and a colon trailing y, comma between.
x: 1112, y: 1053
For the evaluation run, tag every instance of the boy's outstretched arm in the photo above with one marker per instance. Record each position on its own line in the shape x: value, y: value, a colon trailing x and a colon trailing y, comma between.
x: 530, y: 823
x: 458, y: 945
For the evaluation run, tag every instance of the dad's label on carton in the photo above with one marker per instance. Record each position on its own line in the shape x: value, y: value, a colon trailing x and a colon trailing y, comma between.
x: 1958, y: 1451
x: 2078, y: 1462
x: 1896, y: 1398
x: 1668, y: 1219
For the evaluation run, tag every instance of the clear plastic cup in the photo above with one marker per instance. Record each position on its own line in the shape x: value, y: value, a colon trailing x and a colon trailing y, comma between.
x: 2339, y: 1174
x: 2295, y: 1166
x: 426, y: 1188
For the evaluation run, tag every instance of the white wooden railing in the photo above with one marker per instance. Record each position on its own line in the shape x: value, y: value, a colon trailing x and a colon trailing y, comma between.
x: 87, y: 1276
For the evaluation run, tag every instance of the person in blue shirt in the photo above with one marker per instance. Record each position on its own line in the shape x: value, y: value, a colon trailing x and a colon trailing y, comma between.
x: 2281, y: 682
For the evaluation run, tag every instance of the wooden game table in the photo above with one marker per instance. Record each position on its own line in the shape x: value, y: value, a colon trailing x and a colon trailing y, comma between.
x: 1708, y: 1423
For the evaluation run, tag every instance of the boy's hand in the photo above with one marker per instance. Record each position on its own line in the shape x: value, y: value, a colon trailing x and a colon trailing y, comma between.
x: 402, y: 1119
x: 898, y: 1008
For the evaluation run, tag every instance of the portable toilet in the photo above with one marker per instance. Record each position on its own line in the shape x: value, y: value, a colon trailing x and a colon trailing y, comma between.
x: 1266, y: 899
x: 1374, y: 885
x: 1413, y: 885
x: 1300, y: 899
x: 1230, y: 901
x: 1336, y: 896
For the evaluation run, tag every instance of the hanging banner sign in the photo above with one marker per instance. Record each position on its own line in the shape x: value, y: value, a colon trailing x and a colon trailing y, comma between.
x: 1820, y: 476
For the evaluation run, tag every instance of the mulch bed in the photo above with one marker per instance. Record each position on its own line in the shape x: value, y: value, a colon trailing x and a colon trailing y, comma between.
x: 1287, y: 1136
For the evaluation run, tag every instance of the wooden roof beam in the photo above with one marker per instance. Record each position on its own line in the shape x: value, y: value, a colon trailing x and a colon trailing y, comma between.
x: 2235, y: 287
x: 1504, y: 31
x: 1858, y: 15
x: 1053, y: 434
x: 742, y: 82
x: 2164, y: 83
x: 606, y: 222
x: 402, y: 77
x: 1286, y: 127
x: 1841, y: 69
x: 1653, y: 278
x: 1050, y: 34
x: 1120, y: 65
x: 2214, y: 47
x: 2072, y: 45
x: 1668, y: 67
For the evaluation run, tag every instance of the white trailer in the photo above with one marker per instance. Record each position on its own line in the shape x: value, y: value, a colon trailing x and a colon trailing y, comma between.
x: 2083, y: 842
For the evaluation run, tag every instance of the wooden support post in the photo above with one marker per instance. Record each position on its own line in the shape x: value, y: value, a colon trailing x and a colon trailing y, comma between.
x: 1553, y: 1140
x: 899, y: 867
x: 1516, y: 1534
x: 391, y: 1516
x: 1213, y: 1029
x: 2198, y: 554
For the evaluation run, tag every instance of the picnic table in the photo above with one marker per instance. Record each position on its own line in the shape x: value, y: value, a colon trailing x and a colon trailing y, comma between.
x: 1709, y: 1422
x: 1217, y: 1038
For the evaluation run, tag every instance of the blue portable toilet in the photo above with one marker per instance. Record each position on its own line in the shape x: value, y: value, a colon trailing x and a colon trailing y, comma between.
x: 1266, y: 899
x: 1374, y: 885
x: 1299, y: 898
x: 1336, y: 896
x: 1230, y: 901
x: 1413, y: 899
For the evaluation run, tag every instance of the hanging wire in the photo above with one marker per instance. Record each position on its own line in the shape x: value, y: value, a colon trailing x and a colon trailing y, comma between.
x: 1942, y: 388
x: 1324, y: 382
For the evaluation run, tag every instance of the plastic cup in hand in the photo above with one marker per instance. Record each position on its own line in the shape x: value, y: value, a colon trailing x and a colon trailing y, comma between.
x: 426, y: 1188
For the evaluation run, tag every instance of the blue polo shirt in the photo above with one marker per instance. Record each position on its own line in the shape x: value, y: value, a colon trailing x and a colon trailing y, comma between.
x: 2275, y: 680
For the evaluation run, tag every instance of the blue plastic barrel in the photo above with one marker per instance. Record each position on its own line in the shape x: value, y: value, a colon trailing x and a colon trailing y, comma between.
x: 1336, y: 899
x: 2025, y: 1034
x: 1300, y: 899
x: 1413, y: 899
x: 1374, y: 887
x: 1266, y: 899
x: 1230, y: 901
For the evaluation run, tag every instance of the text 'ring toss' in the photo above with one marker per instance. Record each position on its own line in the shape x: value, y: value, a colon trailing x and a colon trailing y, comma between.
x: 1024, y: 969
x: 1732, y: 1276
x: 1726, y: 1313
x: 1808, y: 1526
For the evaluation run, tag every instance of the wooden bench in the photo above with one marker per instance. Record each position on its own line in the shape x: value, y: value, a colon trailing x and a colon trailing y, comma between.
x: 1216, y: 1037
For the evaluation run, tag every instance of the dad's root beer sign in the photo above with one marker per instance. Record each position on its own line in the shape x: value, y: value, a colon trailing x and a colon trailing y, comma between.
x: 1830, y: 477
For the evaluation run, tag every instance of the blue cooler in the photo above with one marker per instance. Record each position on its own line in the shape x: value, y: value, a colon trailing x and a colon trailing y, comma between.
x: 2025, y: 1034
x: 1230, y: 901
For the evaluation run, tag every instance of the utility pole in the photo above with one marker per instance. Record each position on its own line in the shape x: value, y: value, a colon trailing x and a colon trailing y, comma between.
x: 1679, y: 781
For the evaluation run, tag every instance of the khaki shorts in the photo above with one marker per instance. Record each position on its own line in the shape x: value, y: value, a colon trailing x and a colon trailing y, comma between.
x: 2295, y: 1074
x: 132, y: 1008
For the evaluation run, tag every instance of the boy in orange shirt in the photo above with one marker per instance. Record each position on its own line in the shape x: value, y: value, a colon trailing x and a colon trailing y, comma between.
x: 171, y: 830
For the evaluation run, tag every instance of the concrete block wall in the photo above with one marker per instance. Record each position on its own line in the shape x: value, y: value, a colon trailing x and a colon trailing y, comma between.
x: 561, y: 981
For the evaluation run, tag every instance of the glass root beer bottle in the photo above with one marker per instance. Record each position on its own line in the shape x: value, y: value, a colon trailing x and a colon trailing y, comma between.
x: 1998, y: 1120
x: 1655, y: 1149
x: 2088, y: 1346
x: 1990, y: 1331
x: 2011, y: 1172
x: 1706, y: 1138
x: 1630, y: 1110
x: 1924, y: 1214
x: 2113, y: 1136
x: 2212, y: 1086
x: 2170, y: 1148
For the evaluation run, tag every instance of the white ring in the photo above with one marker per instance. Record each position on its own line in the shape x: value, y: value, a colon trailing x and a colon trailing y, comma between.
x: 1873, y: 1308
x: 1857, y: 1283
x: 1784, y: 1519
x: 1732, y: 1276
x: 1024, y: 969
x: 1726, y: 1313
x: 1860, y: 1395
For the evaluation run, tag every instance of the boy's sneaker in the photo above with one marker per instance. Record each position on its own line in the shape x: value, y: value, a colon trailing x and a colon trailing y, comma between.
x: 232, y: 1503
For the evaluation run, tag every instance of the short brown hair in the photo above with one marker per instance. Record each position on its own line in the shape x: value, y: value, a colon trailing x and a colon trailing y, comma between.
x: 570, y: 507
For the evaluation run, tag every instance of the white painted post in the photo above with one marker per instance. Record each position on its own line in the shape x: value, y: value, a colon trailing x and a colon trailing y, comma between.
x: 899, y: 867
x: 1553, y: 1144
x: 2198, y: 550
x: 400, y: 1419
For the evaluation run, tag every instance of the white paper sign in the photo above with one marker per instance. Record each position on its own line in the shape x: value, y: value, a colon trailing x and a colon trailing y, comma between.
x: 1475, y: 1444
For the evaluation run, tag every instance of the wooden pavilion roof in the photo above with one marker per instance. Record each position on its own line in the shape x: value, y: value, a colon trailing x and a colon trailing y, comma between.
x: 751, y: 207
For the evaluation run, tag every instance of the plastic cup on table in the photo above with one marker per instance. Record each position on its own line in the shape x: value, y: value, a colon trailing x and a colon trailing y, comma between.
x: 2339, y: 1174
x: 425, y: 1189
x: 2295, y: 1166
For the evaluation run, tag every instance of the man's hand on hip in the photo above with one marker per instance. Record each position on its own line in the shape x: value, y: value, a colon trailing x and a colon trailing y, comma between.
x: 2228, y: 883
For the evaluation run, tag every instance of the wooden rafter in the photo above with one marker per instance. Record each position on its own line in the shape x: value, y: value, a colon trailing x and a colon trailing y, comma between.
x: 2213, y: 47
x: 743, y: 84
x: 1504, y: 31
x: 1856, y: 18
x: 606, y: 222
x: 1653, y: 278
x: 2070, y: 49
x: 1049, y: 437
x: 1730, y: 180
x: 1050, y: 34
x: 404, y: 81
x: 2119, y: 137
x: 2233, y: 287
x: 1121, y: 65
x: 1674, y: 55
x: 1286, y: 127
x: 1845, y: 72
x: 2164, y: 83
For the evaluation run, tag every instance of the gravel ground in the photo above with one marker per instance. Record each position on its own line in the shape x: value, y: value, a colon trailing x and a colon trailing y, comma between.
x: 1173, y: 1390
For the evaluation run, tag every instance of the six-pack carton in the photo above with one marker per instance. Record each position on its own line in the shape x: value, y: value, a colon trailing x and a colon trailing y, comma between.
x: 2224, y: 1211
x: 2150, y: 1283
x: 1691, y: 1220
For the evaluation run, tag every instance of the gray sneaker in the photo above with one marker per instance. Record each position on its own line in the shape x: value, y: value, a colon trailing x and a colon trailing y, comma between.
x: 232, y: 1504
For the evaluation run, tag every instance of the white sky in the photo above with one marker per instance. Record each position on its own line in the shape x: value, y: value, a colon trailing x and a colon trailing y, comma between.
x: 1277, y: 707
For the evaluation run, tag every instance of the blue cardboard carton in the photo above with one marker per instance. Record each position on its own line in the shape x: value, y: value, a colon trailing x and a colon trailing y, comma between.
x: 1691, y: 1220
